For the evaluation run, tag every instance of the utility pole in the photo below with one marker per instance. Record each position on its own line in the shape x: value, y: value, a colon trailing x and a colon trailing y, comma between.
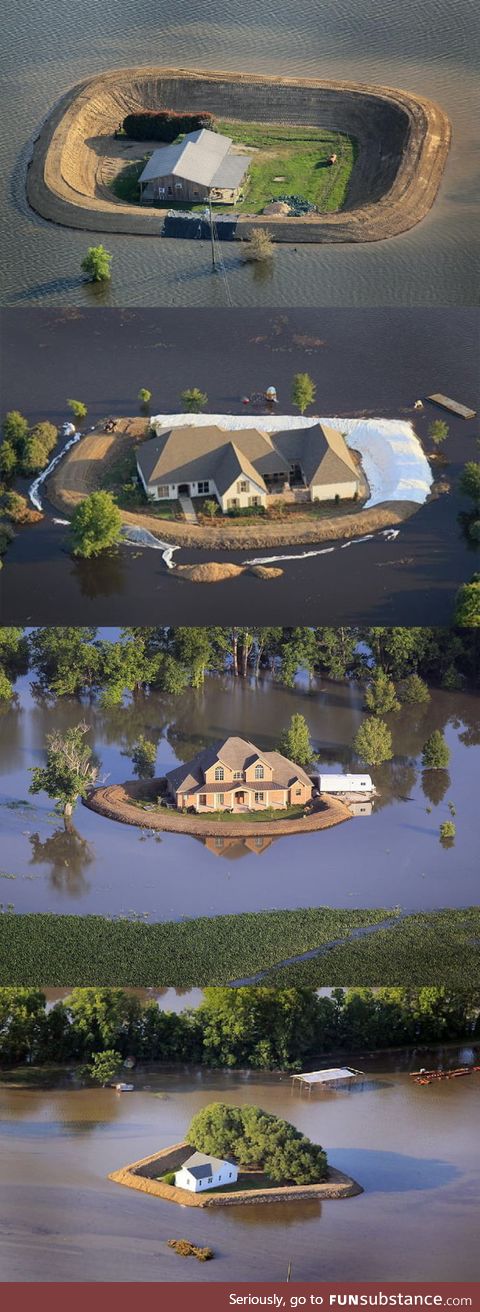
x: 212, y: 238
x: 289, y: 1271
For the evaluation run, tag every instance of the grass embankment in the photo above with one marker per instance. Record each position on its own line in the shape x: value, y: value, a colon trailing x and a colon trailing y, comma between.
x: 248, y: 817
x: 72, y: 951
x: 296, y: 155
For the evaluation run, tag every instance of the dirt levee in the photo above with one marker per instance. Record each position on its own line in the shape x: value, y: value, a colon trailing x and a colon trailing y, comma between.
x: 402, y: 142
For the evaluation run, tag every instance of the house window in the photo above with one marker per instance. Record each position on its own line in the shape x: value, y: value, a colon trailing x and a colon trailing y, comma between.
x: 219, y: 842
x: 163, y: 490
x: 219, y: 772
x: 203, y: 487
x: 209, y: 1179
x: 259, y: 772
x: 203, y: 799
x: 254, y: 501
x: 232, y: 503
x: 259, y: 797
x: 243, y: 486
x: 298, y: 792
x: 220, y: 799
x: 238, y: 774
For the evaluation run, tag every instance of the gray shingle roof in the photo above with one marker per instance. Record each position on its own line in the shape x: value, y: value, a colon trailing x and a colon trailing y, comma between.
x: 201, y: 1166
x: 237, y: 754
x: 191, y: 453
x: 204, y: 157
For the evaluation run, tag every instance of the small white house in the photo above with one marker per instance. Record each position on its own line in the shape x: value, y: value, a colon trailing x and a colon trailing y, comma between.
x: 201, y: 1171
x: 344, y: 783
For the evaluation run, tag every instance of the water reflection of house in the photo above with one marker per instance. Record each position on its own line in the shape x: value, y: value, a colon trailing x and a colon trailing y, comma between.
x: 234, y: 848
x: 235, y: 775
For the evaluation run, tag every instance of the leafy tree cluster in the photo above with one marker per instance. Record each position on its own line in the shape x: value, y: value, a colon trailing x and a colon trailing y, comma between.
x: 25, y: 449
x: 13, y: 659
x: 69, y: 770
x: 256, y: 1138
x: 257, y: 1027
x: 467, y: 604
x: 72, y: 661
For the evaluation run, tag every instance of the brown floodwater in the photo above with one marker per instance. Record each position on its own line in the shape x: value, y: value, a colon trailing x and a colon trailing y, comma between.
x: 394, y: 856
x: 415, y: 1150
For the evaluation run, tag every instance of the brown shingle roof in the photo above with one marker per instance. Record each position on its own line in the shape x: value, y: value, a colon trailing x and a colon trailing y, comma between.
x: 237, y: 754
x: 190, y: 453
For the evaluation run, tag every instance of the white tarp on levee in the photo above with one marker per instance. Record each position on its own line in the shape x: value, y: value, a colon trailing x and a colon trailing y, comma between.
x: 392, y: 458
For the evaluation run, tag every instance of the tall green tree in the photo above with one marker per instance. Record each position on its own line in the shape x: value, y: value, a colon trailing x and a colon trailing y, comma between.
x: 438, y: 431
x: 69, y: 771
x: 104, y: 1067
x: 303, y: 392
x: 470, y: 482
x: 255, y: 1138
x: 467, y: 604
x: 295, y: 742
x: 95, y: 525
x: 373, y: 741
x: 436, y: 752
x: 78, y: 408
x: 380, y: 694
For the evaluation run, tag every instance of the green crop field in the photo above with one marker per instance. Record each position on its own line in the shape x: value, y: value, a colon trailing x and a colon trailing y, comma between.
x: 59, y: 950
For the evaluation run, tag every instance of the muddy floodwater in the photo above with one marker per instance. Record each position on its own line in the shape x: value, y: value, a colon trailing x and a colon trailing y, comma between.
x: 392, y: 857
x: 415, y: 1150
x: 427, y: 49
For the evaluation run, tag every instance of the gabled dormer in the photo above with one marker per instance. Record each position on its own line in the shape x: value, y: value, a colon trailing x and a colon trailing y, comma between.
x: 219, y: 773
x: 258, y: 771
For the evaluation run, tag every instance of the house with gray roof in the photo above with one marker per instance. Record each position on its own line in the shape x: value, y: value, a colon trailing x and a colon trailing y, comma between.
x: 247, y: 467
x: 202, y: 1171
x: 234, y: 775
x: 205, y: 165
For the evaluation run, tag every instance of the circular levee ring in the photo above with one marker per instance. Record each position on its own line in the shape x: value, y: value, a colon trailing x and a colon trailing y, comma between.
x: 403, y: 143
x: 125, y: 802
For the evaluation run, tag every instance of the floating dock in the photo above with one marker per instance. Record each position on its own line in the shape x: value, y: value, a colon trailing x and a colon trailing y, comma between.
x: 455, y: 407
x: 427, y: 1077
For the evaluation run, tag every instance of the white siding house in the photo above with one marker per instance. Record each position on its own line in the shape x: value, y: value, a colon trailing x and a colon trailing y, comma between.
x: 201, y: 1172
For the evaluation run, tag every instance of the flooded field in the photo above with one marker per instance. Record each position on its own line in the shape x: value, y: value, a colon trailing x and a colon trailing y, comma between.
x: 415, y: 1150
x: 392, y: 857
x: 428, y: 50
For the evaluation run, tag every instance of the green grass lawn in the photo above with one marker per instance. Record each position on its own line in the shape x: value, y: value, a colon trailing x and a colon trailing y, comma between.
x: 296, y: 154
x: 268, y: 813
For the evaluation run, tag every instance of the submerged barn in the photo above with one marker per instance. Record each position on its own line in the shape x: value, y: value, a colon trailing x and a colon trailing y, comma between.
x: 201, y: 167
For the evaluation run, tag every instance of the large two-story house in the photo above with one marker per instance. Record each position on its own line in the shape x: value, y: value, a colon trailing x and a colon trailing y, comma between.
x: 234, y: 775
x: 247, y: 466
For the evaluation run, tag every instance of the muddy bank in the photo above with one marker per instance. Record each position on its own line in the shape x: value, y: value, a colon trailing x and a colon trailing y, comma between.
x: 141, y: 1176
x: 117, y: 802
x: 87, y: 464
x: 403, y: 142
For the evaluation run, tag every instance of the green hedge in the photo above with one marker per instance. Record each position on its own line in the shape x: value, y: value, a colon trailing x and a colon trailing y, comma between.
x: 164, y: 124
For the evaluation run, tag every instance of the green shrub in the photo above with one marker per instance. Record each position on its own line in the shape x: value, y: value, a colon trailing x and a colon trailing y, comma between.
x: 164, y: 124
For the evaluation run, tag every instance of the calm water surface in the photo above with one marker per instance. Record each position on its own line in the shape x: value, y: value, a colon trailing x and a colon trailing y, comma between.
x: 415, y: 1150
x: 428, y: 49
x: 392, y: 857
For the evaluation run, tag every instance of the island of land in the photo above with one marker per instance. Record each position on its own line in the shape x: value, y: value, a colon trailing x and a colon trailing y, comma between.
x: 390, y: 151
x: 251, y: 1187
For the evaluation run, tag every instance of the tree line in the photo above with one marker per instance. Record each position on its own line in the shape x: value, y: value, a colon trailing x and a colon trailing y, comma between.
x: 395, y: 664
x: 258, y: 1027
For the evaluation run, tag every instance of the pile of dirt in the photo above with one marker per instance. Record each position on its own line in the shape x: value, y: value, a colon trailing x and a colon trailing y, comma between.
x: 212, y: 571
x: 265, y: 571
x: 185, y: 1249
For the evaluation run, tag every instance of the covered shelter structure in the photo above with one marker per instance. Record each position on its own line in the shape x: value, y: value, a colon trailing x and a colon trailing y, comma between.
x: 333, y: 1077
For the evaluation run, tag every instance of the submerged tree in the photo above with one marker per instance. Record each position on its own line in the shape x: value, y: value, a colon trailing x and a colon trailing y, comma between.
x: 295, y: 742
x: 104, y: 1067
x: 143, y: 755
x: 78, y: 408
x: 303, y: 392
x: 380, y: 694
x: 193, y: 400
x: 373, y: 741
x: 69, y: 771
x: 436, y: 752
x: 96, y: 264
x: 256, y: 1138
